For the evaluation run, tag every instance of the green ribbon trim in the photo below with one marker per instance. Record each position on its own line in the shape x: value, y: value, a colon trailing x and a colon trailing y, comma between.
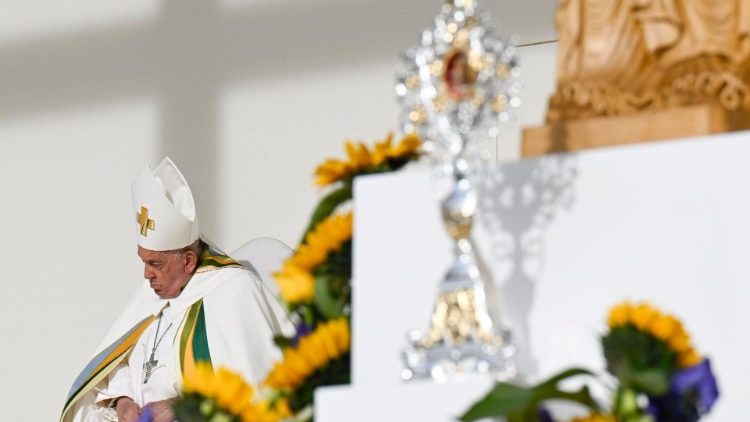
x: 200, y: 339
x: 192, y: 316
x: 212, y: 259
x: 195, y: 324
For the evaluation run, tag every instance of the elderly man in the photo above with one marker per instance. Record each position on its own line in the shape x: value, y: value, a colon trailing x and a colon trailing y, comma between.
x: 196, y: 304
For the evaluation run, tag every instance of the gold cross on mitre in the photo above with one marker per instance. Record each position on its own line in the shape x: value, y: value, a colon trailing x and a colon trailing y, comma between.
x: 145, y: 222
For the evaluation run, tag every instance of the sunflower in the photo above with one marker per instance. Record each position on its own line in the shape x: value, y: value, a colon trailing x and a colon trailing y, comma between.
x: 667, y: 328
x: 330, y: 171
x: 328, y: 342
x: 361, y: 159
x: 295, y: 279
x: 408, y: 146
x: 328, y: 236
x: 230, y: 393
x: 265, y: 412
x: 295, y: 284
x: 595, y: 417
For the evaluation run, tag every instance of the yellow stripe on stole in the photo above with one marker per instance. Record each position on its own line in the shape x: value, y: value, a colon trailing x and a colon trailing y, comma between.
x: 189, y: 367
x: 109, y: 363
x: 125, y: 345
x: 93, y: 382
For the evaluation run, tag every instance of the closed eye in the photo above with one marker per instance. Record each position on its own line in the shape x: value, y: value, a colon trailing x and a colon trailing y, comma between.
x: 155, y: 264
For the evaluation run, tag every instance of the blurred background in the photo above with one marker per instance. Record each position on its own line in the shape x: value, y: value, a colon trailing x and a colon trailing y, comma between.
x: 247, y: 96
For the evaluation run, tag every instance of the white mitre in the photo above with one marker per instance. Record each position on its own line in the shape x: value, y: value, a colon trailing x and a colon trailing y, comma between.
x: 164, y: 210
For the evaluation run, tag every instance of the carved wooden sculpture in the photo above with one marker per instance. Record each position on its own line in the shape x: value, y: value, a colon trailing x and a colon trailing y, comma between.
x: 627, y: 57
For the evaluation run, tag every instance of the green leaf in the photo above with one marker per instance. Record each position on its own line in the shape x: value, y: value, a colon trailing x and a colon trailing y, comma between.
x: 503, y: 399
x: 222, y: 417
x: 629, y: 350
x: 282, y: 342
x: 207, y: 407
x: 520, y: 404
x: 568, y: 373
x: 338, y: 265
x: 626, y: 403
x: 324, y: 301
x: 194, y: 408
x: 307, y: 315
x: 582, y: 397
x: 654, y: 382
x: 549, y: 390
x: 327, y: 205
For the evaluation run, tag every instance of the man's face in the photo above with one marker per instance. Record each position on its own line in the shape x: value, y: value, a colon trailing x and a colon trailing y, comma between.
x: 167, y: 272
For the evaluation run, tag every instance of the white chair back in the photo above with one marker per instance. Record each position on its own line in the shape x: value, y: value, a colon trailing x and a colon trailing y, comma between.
x: 265, y: 255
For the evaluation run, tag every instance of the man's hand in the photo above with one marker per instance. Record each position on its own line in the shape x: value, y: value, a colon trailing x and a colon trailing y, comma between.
x: 162, y: 410
x: 127, y: 410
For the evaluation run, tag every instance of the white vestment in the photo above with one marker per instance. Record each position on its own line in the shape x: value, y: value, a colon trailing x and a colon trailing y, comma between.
x: 238, y: 334
x: 129, y: 378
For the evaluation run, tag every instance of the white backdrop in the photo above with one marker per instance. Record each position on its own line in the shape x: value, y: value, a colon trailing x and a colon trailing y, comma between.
x: 246, y: 95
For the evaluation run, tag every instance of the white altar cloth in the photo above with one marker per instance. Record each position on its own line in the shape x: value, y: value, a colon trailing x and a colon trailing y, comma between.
x: 566, y: 236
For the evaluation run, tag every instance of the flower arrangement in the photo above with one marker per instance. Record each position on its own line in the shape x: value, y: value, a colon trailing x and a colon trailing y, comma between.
x: 651, y: 354
x: 361, y: 160
x: 331, y: 238
x: 223, y: 396
x: 660, y: 376
x: 315, y: 282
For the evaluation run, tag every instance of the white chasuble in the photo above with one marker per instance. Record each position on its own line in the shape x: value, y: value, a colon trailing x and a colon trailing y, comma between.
x: 237, y: 334
x: 149, y: 374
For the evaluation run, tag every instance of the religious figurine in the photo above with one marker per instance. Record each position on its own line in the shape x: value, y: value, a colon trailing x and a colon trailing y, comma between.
x: 643, y: 70
x: 459, y: 76
x: 623, y: 56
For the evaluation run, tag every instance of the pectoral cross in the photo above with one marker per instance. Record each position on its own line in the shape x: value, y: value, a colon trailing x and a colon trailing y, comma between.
x: 149, y: 367
x: 145, y: 223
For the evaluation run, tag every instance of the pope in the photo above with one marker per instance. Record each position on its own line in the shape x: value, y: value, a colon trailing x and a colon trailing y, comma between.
x: 195, y: 304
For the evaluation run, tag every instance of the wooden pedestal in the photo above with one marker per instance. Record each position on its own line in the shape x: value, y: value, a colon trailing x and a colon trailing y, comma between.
x: 574, y: 135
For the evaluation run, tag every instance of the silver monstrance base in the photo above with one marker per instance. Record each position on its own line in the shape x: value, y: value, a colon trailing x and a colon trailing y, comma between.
x: 463, y: 336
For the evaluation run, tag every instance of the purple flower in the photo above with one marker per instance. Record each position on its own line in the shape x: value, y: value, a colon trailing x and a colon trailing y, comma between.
x: 302, y: 330
x: 544, y: 415
x: 693, y: 392
x: 698, y: 380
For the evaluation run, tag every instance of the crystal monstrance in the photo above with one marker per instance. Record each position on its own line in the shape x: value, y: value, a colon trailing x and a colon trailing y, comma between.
x: 456, y: 89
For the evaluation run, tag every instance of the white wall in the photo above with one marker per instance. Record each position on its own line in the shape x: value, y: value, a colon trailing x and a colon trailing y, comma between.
x: 67, y: 247
x: 246, y: 95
